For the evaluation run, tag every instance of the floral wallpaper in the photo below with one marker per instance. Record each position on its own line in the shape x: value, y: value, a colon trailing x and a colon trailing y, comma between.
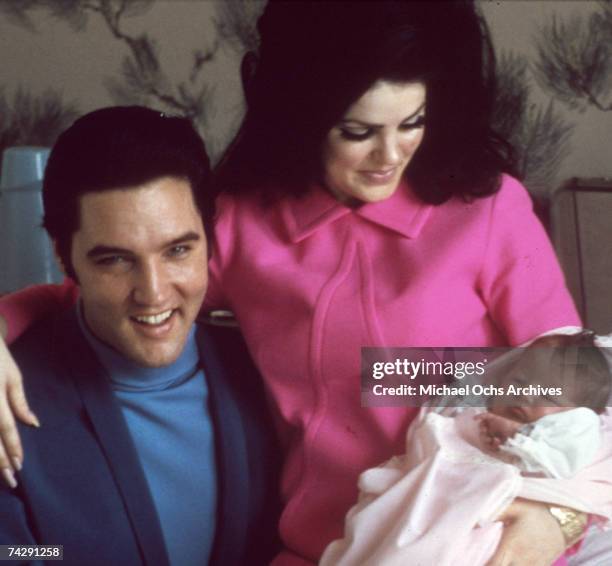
x: 141, y: 74
x: 544, y: 92
x: 61, y: 58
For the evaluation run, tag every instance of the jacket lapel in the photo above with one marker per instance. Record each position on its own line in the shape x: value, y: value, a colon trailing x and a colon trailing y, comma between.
x: 232, y: 458
x: 115, y: 440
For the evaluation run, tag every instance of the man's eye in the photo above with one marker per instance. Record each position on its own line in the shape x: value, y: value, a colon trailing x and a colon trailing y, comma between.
x: 178, y: 251
x: 111, y: 260
x: 355, y: 134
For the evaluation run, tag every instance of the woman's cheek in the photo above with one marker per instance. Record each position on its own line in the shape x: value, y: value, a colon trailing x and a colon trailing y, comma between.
x: 412, y: 143
x: 352, y: 154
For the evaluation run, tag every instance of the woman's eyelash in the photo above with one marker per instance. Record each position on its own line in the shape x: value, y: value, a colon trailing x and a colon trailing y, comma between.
x: 350, y: 135
x: 419, y: 122
x: 355, y: 136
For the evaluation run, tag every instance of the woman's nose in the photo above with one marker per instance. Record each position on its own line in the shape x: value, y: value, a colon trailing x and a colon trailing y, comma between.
x: 389, y: 150
x: 151, y: 285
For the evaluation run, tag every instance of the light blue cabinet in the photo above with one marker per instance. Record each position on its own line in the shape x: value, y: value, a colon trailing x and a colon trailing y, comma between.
x: 26, y: 254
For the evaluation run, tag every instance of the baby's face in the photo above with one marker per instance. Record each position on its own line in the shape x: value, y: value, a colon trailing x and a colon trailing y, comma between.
x: 535, y: 367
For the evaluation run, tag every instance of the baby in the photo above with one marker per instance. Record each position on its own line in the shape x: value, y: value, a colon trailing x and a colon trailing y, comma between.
x: 438, y: 503
x: 553, y: 436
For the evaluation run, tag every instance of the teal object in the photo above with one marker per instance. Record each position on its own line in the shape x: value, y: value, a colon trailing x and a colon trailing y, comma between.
x: 26, y: 254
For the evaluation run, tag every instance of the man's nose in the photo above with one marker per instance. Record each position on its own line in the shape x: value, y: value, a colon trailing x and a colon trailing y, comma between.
x: 151, y: 284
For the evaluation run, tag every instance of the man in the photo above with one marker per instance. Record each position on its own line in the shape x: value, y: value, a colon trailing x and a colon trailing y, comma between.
x: 154, y: 448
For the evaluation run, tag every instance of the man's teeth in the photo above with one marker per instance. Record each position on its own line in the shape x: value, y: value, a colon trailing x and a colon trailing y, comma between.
x: 155, y: 318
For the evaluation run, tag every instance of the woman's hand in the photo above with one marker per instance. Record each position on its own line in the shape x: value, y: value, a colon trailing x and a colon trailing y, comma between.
x: 12, y: 404
x: 531, y: 536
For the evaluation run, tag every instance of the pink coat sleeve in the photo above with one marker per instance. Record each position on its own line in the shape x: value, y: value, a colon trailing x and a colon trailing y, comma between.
x: 22, y: 308
x: 521, y: 280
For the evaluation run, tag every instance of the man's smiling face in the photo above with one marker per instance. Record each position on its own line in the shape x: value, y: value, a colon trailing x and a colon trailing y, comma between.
x: 140, y: 257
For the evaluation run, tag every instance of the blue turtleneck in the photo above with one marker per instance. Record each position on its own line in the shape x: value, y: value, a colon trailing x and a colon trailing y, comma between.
x: 166, y: 411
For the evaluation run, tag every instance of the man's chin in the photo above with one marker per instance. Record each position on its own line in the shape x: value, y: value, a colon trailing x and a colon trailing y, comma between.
x: 154, y: 356
x: 157, y: 361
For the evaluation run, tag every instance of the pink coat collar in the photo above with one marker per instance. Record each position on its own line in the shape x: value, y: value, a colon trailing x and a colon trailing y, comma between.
x: 403, y: 212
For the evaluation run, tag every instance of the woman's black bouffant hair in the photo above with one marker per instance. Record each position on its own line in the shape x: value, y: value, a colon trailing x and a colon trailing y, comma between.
x: 317, y: 58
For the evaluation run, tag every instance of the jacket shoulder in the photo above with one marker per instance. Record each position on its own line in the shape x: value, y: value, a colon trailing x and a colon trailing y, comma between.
x: 43, y: 354
x: 37, y: 349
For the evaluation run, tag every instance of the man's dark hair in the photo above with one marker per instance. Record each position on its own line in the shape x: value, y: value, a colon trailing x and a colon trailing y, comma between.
x: 121, y: 147
x: 318, y: 58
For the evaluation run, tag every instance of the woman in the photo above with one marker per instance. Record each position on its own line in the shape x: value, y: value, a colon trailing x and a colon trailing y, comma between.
x: 364, y: 205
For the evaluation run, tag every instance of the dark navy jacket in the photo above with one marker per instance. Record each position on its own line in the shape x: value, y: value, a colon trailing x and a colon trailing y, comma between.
x: 82, y: 484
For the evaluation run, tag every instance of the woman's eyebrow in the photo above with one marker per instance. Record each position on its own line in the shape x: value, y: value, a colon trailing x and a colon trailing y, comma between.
x: 370, y: 125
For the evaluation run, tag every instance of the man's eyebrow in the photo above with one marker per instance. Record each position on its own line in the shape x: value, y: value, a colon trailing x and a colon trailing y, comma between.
x: 107, y: 250
x: 369, y: 125
x: 186, y: 237
x: 99, y: 250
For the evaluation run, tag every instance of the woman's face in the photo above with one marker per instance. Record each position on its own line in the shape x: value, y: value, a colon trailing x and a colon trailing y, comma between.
x: 366, y: 153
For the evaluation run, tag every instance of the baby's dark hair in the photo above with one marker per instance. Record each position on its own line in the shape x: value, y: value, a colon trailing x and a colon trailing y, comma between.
x: 585, y: 374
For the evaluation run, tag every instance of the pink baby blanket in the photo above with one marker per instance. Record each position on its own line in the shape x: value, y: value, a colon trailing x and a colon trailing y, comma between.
x: 437, y: 504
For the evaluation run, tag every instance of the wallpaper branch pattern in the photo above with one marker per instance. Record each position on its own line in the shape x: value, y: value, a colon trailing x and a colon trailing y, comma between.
x: 575, y: 59
x: 237, y: 23
x: 572, y: 64
x: 26, y: 119
x: 144, y: 80
x: 539, y: 134
x: 142, y: 77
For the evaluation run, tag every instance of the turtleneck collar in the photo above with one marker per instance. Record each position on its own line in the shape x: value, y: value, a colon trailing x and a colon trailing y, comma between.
x: 126, y: 375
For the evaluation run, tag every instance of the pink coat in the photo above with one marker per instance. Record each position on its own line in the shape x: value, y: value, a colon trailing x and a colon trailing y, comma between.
x: 313, y: 281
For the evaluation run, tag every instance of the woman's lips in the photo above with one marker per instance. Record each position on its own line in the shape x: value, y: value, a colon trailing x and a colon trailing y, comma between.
x: 379, y: 177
